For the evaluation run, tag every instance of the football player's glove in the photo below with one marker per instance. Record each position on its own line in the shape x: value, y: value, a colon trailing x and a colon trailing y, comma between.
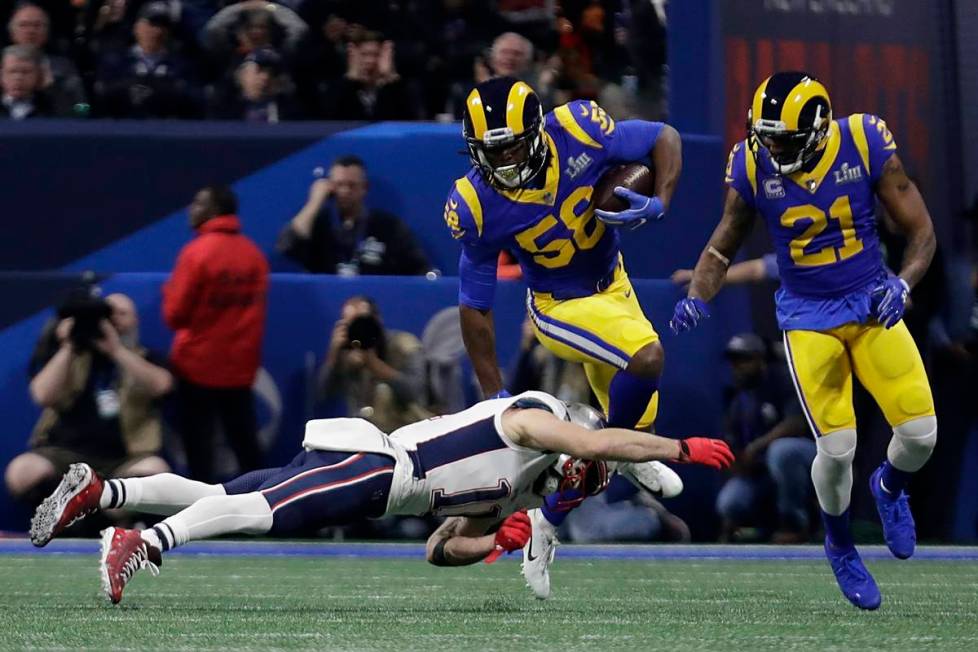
x: 501, y: 394
x: 640, y: 210
x: 789, y: 119
x: 687, y: 314
x: 512, y: 535
x: 889, y: 300
x: 713, y: 453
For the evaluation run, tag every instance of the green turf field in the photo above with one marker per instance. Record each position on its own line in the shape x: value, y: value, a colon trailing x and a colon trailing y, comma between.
x: 265, y: 603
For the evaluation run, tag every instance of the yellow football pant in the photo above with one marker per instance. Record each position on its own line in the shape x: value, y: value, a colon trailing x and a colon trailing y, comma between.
x: 886, y: 362
x: 602, y: 331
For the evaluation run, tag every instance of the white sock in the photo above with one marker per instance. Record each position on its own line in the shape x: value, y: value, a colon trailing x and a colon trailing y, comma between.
x: 152, y: 538
x: 216, y: 515
x: 164, y: 493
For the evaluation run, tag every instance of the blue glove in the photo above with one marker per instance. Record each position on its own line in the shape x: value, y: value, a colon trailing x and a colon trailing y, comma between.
x: 889, y: 300
x: 687, y: 314
x: 501, y: 394
x: 640, y: 210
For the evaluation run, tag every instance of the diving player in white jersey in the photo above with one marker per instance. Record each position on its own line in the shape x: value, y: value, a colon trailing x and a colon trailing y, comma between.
x: 478, y: 466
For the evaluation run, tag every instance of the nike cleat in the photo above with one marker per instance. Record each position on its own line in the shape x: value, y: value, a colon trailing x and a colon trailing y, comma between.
x: 899, y: 530
x: 654, y: 477
x: 123, y: 553
x: 538, y: 554
x: 856, y: 583
x: 76, y: 497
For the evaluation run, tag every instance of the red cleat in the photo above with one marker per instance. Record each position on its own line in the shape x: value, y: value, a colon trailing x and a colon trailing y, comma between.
x: 76, y: 497
x: 123, y: 553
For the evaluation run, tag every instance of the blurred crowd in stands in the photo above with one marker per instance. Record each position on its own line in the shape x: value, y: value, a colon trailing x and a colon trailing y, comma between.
x: 267, y: 62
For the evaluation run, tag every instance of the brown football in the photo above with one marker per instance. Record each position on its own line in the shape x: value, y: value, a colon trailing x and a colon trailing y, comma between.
x: 633, y: 176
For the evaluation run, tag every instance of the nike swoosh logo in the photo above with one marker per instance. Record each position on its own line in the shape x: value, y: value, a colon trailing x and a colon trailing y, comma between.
x: 529, y: 553
x: 628, y: 293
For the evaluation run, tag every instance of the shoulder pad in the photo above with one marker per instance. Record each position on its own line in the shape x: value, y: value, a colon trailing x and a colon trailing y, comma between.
x: 586, y: 122
x: 463, y: 210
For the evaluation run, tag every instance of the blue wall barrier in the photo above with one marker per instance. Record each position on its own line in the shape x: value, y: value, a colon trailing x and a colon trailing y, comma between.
x: 302, y: 310
x: 122, y: 189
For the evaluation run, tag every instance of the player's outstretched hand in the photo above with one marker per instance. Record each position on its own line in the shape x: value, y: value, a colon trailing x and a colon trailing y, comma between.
x: 512, y: 535
x: 713, y: 453
x: 890, y: 300
x: 687, y: 315
x: 641, y: 209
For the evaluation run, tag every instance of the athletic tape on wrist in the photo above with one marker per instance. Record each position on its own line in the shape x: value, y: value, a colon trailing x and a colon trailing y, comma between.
x: 716, y: 254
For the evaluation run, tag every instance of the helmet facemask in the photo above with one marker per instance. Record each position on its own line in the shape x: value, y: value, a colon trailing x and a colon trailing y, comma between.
x: 587, y: 477
x: 507, y: 160
x: 795, y: 149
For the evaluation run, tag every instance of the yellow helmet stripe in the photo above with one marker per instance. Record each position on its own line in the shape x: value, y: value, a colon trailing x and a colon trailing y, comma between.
x: 515, y: 104
x: 757, y: 106
x: 797, y: 99
x: 471, y: 199
x: 473, y: 104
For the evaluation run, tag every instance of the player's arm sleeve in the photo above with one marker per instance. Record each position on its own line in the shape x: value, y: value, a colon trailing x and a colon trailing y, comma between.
x: 875, y: 143
x: 477, y: 276
x: 739, y: 174
x: 477, y: 262
x: 633, y: 140
x: 589, y: 124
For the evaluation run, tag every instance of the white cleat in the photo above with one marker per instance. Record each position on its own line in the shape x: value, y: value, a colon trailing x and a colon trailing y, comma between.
x: 654, y: 477
x: 538, y: 554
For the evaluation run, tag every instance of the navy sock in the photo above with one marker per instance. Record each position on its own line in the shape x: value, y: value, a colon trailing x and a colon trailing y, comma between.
x: 628, y: 397
x: 249, y: 482
x: 165, y: 534
x: 894, y: 480
x: 619, y: 489
x: 837, y: 529
x: 555, y: 513
x: 116, y: 494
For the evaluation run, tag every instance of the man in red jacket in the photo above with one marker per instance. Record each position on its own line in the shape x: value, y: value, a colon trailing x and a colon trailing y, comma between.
x: 215, y: 303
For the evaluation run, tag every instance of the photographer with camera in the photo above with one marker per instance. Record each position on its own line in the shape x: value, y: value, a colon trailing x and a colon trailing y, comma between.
x: 335, y: 232
x: 379, y: 372
x: 99, y: 390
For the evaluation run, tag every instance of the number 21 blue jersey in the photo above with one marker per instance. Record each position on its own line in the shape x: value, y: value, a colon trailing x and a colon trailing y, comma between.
x: 823, y: 222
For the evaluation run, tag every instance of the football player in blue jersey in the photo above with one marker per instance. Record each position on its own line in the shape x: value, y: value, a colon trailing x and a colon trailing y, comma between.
x: 815, y: 181
x: 529, y: 191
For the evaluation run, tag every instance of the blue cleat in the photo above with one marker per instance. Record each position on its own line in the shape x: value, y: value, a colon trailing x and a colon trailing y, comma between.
x: 856, y: 583
x: 899, y: 530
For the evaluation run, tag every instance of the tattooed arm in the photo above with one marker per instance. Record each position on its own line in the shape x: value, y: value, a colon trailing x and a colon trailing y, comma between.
x: 734, y: 226
x: 905, y: 205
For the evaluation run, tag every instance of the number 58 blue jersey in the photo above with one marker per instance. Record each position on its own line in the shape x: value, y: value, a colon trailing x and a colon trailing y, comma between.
x: 551, y: 229
x: 822, y: 223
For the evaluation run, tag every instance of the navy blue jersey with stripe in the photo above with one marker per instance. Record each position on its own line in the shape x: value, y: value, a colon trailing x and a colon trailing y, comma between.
x: 457, y: 464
